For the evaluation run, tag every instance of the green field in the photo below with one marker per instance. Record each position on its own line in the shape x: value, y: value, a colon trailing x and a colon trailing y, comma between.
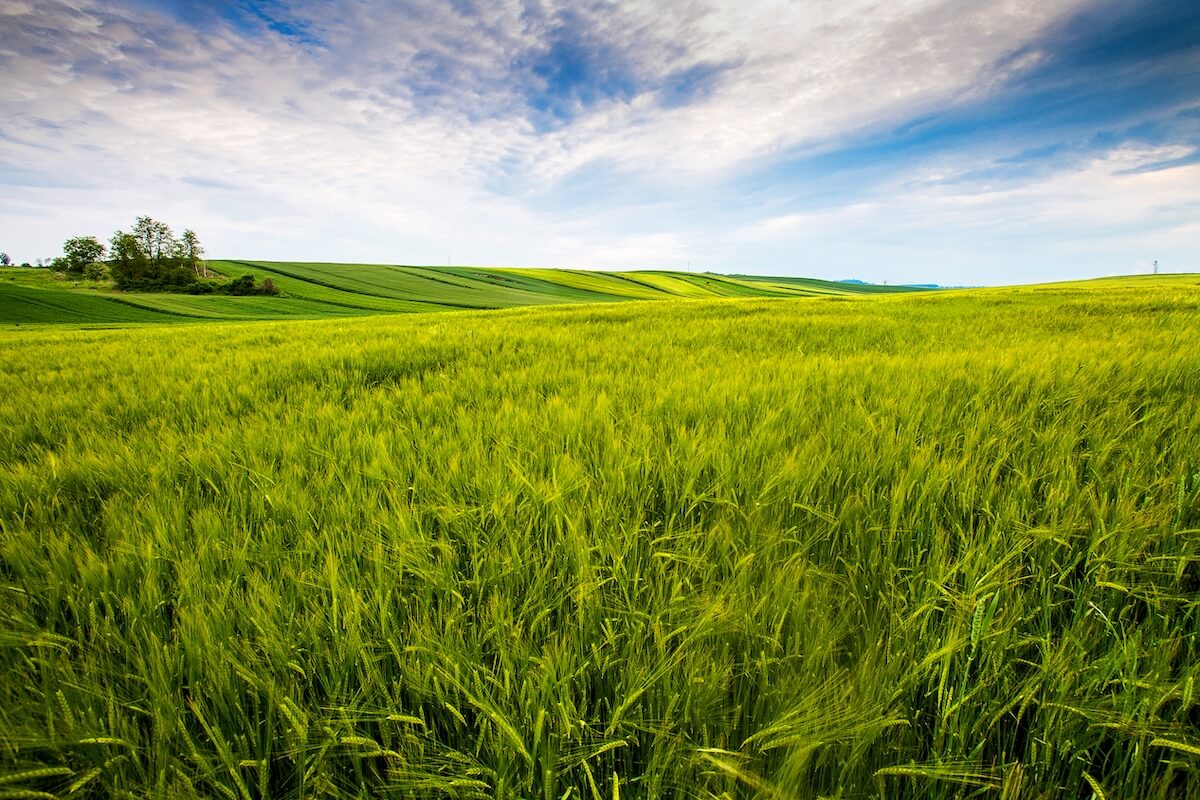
x: 314, y: 291
x: 819, y: 544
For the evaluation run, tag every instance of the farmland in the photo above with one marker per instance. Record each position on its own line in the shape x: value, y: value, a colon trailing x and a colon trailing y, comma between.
x: 314, y: 291
x: 702, y: 537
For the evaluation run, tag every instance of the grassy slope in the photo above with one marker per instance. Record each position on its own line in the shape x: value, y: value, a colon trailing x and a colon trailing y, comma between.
x: 317, y: 290
x: 24, y: 305
x: 940, y: 545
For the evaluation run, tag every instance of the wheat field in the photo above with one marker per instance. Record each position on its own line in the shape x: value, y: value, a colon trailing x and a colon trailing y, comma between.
x: 941, y: 545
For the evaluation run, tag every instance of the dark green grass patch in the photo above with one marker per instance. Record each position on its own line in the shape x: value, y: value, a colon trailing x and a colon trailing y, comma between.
x: 24, y: 305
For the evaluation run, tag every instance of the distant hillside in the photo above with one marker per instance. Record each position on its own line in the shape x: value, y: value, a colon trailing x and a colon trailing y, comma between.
x: 316, y: 290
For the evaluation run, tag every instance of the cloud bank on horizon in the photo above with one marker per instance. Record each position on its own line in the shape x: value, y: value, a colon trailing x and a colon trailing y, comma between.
x: 948, y: 141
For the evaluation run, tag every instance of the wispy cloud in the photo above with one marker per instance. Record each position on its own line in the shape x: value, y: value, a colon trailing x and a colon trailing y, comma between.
x: 595, y: 134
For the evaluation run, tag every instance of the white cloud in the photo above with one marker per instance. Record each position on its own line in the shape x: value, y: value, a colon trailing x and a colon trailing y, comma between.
x: 412, y: 133
x: 1114, y: 218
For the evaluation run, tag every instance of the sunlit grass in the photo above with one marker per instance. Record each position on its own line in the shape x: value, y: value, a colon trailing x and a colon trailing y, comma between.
x: 941, y: 546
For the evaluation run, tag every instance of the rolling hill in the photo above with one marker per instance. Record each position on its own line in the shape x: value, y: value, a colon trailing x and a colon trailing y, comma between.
x: 319, y: 290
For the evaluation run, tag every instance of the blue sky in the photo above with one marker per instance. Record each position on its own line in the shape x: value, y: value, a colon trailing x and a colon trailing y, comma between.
x: 949, y: 141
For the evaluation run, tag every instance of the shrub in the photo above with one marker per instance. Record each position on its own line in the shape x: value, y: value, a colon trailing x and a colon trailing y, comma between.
x: 241, y: 286
x: 96, y: 271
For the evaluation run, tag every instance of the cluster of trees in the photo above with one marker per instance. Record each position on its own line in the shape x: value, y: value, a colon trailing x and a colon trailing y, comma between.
x: 148, y: 257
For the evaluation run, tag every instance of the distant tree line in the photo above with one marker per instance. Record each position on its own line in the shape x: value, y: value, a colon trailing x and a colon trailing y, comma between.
x: 6, y: 261
x: 148, y: 257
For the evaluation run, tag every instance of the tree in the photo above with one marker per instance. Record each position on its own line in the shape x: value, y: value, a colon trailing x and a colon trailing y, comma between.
x: 189, y: 245
x: 5, y: 260
x: 155, y: 240
x: 128, y: 263
x: 78, y: 252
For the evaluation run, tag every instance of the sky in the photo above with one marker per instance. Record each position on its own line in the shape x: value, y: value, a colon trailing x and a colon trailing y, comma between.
x: 959, y: 142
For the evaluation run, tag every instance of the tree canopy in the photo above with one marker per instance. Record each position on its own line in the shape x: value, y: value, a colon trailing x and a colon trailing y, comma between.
x: 78, y: 253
